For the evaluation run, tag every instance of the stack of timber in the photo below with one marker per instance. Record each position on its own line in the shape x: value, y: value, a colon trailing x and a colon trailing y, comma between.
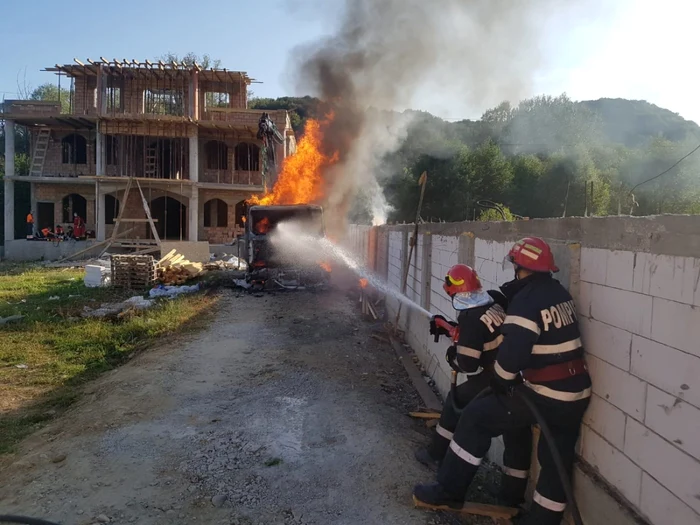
x: 174, y: 269
x: 133, y: 271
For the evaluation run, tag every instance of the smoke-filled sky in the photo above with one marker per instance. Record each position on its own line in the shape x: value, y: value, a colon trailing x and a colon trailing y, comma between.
x: 639, y: 49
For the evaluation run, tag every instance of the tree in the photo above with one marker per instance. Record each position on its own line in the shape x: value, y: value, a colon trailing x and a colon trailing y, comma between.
x: 51, y: 92
x: 491, y: 214
x: 204, y: 61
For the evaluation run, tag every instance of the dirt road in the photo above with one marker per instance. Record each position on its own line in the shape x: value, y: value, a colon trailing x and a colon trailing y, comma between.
x: 285, y: 411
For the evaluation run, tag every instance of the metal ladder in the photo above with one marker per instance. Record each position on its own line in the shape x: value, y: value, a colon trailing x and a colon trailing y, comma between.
x: 39, y: 156
x: 151, y: 162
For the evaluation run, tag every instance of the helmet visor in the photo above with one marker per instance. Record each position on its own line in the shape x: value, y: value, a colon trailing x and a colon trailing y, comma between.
x: 507, y: 263
x: 467, y: 300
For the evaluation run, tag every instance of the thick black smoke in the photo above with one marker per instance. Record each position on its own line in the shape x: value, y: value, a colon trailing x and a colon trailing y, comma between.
x: 385, y: 52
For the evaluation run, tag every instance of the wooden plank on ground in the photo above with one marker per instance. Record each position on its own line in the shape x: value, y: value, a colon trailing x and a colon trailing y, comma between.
x: 425, y: 415
x: 102, y: 243
x: 168, y: 256
x: 430, y: 400
x: 478, y: 509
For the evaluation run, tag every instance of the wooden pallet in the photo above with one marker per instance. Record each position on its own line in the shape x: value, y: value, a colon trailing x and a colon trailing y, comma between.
x: 133, y: 271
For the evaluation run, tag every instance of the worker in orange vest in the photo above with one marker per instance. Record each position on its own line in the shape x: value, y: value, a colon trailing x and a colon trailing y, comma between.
x: 78, y: 226
x: 30, y: 226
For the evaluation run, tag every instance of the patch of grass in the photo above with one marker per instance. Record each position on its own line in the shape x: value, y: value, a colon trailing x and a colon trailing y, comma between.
x: 52, y: 351
x: 273, y: 462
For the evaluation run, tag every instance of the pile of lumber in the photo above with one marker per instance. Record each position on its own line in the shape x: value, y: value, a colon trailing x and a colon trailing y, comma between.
x: 174, y: 269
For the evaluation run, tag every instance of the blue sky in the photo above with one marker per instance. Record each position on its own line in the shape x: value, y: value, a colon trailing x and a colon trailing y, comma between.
x: 630, y: 48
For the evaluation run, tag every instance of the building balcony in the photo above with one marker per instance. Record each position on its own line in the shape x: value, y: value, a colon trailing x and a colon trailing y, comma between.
x: 30, y: 108
x: 236, y: 177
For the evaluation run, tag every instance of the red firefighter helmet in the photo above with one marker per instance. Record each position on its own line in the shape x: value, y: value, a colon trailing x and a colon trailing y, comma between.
x: 461, y: 279
x: 534, y: 254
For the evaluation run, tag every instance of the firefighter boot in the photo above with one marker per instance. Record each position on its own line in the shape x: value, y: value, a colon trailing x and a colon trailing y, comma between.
x: 435, y: 495
x: 424, y: 456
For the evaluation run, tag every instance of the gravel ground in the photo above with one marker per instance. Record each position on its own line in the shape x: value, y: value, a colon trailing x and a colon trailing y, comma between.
x: 284, y: 412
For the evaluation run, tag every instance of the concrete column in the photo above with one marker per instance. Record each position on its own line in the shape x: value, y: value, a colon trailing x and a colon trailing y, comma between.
x: 9, y: 183
x: 32, y: 198
x: 194, y: 95
x: 194, y: 158
x: 9, y: 210
x: 100, y: 227
x: 100, y: 153
x: 426, y: 271
x: 193, y: 215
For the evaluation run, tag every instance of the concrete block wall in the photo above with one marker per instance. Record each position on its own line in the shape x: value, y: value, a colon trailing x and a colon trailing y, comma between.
x: 635, y: 282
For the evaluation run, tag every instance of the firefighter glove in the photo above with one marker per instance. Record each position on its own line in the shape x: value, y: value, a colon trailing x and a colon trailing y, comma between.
x: 436, y: 329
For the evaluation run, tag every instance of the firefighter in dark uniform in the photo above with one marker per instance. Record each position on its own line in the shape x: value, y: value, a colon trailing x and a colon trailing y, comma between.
x: 541, y: 357
x: 473, y: 353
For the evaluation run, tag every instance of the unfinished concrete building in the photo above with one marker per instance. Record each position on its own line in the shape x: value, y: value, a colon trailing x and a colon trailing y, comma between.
x: 182, y: 131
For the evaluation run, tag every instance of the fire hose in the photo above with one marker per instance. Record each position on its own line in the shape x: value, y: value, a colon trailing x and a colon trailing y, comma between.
x: 25, y: 520
x: 453, y: 332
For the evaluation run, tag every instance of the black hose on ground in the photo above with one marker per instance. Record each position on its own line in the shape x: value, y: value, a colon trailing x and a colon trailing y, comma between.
x: 558, y: 462
x: 24, y: 520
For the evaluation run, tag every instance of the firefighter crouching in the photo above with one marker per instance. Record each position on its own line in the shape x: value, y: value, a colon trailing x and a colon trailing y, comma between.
x: 476, y: 337
x: 540, y: 338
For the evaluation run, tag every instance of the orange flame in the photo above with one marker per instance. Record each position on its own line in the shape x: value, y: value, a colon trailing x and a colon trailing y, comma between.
x: 363, y: 283
x: 326, y: 266
x: 262, y: 226
x: 301, y: 178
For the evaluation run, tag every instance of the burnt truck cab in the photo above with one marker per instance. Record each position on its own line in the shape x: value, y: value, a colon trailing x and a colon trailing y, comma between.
x: 264, y: 261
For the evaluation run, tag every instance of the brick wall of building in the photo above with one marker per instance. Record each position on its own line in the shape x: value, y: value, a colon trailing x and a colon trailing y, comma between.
x: 220, y: 234
x: 53, y: 163
x: 55, y: 193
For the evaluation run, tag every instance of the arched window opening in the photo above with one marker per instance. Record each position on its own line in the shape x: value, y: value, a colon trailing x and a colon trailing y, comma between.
x: 215, y: 214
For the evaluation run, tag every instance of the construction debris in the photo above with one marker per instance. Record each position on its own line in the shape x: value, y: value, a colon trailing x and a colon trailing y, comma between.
x: 97, y: 275
x: 10, y: 319
x: 114, y: 309
x: 172, y: 291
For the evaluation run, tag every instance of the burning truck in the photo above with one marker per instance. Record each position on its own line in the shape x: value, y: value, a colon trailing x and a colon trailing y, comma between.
x: 268, y: 263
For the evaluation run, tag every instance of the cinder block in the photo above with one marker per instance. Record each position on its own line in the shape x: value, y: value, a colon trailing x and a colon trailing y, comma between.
x: 618, y: 387
x: 610, y: 344
x: 620, y: 270
x: 483, y: 249
x: 666, y: 368
x: 583, y: 307
x: 593, y: 265
x: 674, y: 419
x: 627, y: 310
x: 596, y: 505
x: 486, y: 269
x: 606, y: 420
x: 612, y: 464
x: 677, y: 325
x: 674, y: 469
x: 663, y: 508
x: 672, y: 278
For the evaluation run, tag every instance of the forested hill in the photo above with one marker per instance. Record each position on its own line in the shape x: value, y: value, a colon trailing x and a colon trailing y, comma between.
x: 634, y: 122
